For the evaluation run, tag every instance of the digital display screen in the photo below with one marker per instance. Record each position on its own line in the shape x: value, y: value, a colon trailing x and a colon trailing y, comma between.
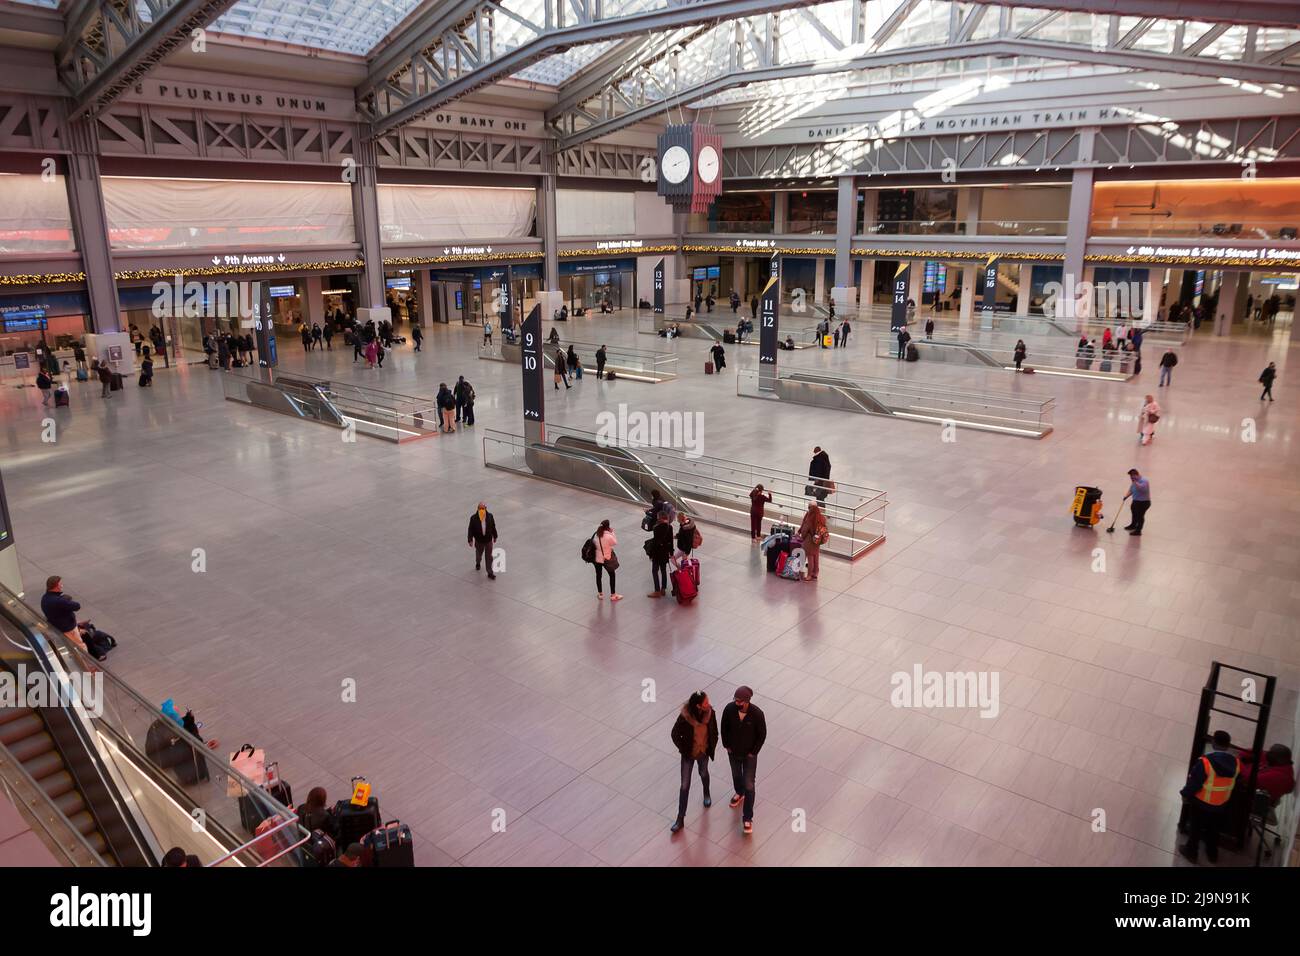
x: 402, y: 283
x: 26, y: 320
x: 602, y: 278
x: 713, y: 272
x: 460, y: 300
x: 700, y: 273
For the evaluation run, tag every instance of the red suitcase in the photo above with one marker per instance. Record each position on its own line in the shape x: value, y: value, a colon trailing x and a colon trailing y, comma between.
x: 684, y: 588
x: 708, y: 368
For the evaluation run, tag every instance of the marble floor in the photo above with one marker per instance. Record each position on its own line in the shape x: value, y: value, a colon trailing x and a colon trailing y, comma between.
x: 329, y: 561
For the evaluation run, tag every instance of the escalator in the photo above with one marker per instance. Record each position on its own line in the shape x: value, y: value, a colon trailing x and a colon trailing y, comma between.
x: 854, y: 394
x: 628, y: 473
x: 23, y: 733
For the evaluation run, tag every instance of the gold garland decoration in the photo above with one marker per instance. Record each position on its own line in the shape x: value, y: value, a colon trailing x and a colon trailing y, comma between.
x: 732, y: 250
x: 463, y: 257
x: 46, y: 278
x: 643, y: 250
x: 1269, y: 263
x: 963, y: 254
x: 236, y: 270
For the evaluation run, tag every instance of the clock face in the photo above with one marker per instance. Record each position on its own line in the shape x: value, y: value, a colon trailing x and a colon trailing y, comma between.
x: 706, y: 164
x: 676, y: 165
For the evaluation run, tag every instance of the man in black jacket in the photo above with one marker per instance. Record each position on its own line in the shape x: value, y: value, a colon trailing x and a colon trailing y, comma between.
x: 61, y: 611
x: 482, y: 535
x: 743, y: 731
x: 819, y: 469
x: 600, y: 363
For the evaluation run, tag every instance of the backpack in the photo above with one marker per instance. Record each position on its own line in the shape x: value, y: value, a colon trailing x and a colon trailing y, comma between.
x: 792, y: 568
x: 589, y: 550
x: 648, y: 522
x: 697, y: 539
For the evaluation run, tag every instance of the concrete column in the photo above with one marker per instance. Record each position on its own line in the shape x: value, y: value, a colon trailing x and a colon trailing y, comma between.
x: 866, y: 283
x: 424, y: 295
x: 870, y: 203
x: 846, y: 216
x: 365, y: 215
x: 966, y: 313
x: 739, y: 276
x: 915, y: 283
x: 1226, y: 311
x: 313, y: 307
x: 546, y: 227
x: 780, y: 211
x: 1076, y: 233
x: 1026, y: 283
x: 819, y: 279
x: 974, y: 205
x: 90, y: 225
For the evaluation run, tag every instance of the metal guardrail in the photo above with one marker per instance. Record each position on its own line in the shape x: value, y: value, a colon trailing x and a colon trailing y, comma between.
x: 714, y: 490
x: 1000, y: 356
x: 704, y: 327
x: 641, y: 365
x: 371, y: 411
x: 900, y: 398
x: 39, y: 810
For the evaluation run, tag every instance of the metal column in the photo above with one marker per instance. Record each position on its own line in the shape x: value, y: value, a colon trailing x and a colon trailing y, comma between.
x: 846, y: 221
x: 86, y: 204
x: 1076, y: 236
x: 365, y: 214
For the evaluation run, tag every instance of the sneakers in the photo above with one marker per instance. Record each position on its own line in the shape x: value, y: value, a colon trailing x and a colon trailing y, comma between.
x: 599, y: 596
x: 736, y: 801
x: 615, y: 597
x: 749, y: 828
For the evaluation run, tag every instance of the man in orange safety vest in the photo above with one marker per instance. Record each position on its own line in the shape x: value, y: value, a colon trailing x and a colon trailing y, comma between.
x: 1208, y: 790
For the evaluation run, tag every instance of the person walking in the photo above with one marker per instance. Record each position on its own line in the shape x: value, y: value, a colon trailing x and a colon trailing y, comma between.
x: 753, y: 308
x: 719, y: 356
x: 328, y: 334
x: 1209, y: 787
x: 758, y: 497
x: 1139, y: 490
x: 814, y: 533
x: 380, y: 350
x: 1266, y: 378
x: 845, y: 331
x: 446, y: 406
x: 305, y: 334
x: 105, y: 378
x: 600, y: 363
x: 359, y: 346
x: 372, y: 351
x: 904, y: 337
x: 1020, y: 353
x: 223, y: 351
x: 317, y: 336
x: 695, y: 735
x: 659, y: 548
x: 605, y: 560
x: 1167, y: 363
x: 417, y: 336
x: 1147, y: 419
x: 929, y: 328
x: 487, y: 331
x: 561, y: 369
x: 819, y: 470
x: 744, y: 728
x: 572, y: 361
x: 79, y: 354
x: 482, y: 536
x: 44, y: 383
x: 61, y: 611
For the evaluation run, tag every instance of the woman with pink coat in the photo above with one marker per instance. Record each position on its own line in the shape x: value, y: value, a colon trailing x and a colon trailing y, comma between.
x: 1147, y: 419
x: 372, y: 352
x: 606, y: 561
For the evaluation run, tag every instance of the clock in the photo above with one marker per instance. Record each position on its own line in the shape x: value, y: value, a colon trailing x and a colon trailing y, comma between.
x: 690, y: 166
x: 707, y: 164
x: 675, y: 165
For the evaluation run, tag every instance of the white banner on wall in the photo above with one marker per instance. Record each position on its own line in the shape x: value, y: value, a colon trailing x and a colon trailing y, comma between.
x: 581, y: 212
x: 454, y: 213
x: 36, y: 216
x: 204, y: 213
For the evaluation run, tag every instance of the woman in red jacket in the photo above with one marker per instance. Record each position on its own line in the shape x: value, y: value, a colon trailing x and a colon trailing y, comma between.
x: 1277, y: 776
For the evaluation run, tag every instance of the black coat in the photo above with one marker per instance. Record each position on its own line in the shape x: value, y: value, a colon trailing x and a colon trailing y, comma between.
x: 683, y: 734
x: 743, y: 737
x: 476, y: 532
x: 662, y: 549
x: 820, y: 466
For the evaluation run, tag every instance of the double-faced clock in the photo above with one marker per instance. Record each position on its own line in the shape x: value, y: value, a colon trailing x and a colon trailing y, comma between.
x: 690, y: 166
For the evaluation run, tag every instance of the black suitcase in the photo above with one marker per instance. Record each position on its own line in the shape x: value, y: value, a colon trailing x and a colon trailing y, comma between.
x: 389, y: 845
x: 280, y: 790
x: 353, y: 822
x: 912, y: 352
x: 252, y: 811
x: 319, y: 850
x: 775, y: 550
x: 729, y: 338
x: 115, y: 383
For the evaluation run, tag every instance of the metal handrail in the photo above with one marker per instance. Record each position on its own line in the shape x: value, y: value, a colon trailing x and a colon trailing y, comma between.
x: 258, y: 838
x: 989, y: 398
x: 1035, y: 356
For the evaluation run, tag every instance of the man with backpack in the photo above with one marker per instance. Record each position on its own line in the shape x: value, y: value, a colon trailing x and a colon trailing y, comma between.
x: 1167, y: 363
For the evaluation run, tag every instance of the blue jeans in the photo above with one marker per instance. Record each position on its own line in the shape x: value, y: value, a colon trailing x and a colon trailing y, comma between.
x: 685, y: 792
x: 743, y: 771
x: 1166, y: 374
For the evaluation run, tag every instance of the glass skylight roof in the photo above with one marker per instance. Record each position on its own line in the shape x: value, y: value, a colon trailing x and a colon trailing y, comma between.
x: 341, y: 26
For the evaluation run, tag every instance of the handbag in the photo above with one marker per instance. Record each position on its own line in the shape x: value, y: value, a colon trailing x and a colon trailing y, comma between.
x: 611, y: 563
x: 249, y: 762
x: 649, y: 547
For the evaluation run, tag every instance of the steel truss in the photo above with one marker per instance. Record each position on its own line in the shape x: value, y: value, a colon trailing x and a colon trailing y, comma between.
x: 653, y: 79
x: 110, y: 44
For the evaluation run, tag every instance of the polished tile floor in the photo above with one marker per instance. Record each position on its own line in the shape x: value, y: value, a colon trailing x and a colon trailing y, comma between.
x: 526, y: 697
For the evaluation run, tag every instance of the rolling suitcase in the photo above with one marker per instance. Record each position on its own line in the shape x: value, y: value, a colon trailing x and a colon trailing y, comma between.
x: 61, y: 398
x: 692, y: 567
x: 708, y: 368
x: 115, y: 384
x: 389, y: 846
x: 354, y: 821
x: 913, y: 353
x: 319, y: 850
x: 729, y: 338
x: 83, y: 375
x: 684, y: 588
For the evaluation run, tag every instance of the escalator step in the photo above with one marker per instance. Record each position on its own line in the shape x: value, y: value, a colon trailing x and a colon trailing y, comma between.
x: 85, y: 824
x: 15, y: 730
x: 55, y: 784
x: 71, y: 804
x: 50, y: 762
x: 13, y: 713
x: 31, y: 747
